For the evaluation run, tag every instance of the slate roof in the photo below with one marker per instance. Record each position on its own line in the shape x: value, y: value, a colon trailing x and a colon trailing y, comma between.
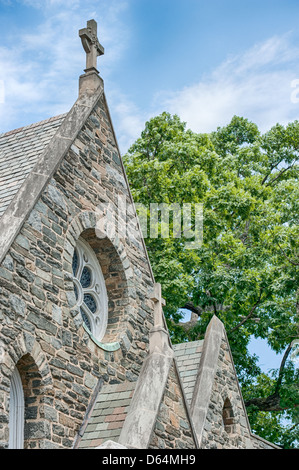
x: 187, y: 357
x: 113, y: 401
x: 19, y: 151
x: 108, y: 415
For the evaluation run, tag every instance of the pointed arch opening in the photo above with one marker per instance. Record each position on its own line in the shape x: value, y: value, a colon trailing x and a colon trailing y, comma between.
x: 228, y: 417
x: 28, y: 427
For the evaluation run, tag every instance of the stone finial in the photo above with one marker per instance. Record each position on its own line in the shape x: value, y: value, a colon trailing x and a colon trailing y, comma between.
x: 90, y: 81
x: 159, y: 337
x: 111, y: 445
x: 159, y: 302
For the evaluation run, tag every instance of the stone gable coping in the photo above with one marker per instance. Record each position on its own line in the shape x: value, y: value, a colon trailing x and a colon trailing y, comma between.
x: 141, y: 418
x: 20, y: 207
x: 206, y: 374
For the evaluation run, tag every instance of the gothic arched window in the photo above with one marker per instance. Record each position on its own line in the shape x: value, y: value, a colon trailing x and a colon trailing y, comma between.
x: 16, y: 412
x: 90, y: 289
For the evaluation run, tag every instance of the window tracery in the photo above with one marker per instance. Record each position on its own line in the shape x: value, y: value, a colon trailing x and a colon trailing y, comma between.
x: 90, y: 289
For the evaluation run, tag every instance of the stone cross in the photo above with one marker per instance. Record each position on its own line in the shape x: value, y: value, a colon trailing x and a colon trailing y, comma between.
x: 91, y: 45
x: 159, y: 302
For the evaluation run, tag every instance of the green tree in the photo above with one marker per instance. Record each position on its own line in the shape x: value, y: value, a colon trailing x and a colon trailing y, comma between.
x: 246, y: 269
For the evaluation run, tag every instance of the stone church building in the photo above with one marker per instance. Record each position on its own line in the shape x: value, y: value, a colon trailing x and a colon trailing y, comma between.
x: 86, y: 360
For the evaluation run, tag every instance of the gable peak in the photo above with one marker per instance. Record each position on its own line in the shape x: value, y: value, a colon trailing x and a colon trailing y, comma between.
x: 90, y: 81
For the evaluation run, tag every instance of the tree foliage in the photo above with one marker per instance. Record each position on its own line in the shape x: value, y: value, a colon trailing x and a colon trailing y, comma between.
x: 246, y: 269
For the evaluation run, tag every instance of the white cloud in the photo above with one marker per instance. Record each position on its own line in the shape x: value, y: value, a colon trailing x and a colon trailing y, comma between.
x: 32, y: 70
x: 39, y: 73
x: 258, y: 85
x: 255, y: 85
x: 51, y: 3
x: 39, y: 69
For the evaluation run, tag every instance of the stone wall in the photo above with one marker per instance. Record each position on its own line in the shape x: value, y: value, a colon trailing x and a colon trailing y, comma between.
x: 173, y: 429
x: 41, y: 329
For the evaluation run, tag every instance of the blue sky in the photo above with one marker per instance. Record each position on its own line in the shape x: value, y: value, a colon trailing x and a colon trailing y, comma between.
x: 205, y: 60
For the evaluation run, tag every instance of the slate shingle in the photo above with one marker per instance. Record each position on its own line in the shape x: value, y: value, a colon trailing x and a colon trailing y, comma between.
x: 187, y: 357
x: 108, y: 415
x: 19, y: 151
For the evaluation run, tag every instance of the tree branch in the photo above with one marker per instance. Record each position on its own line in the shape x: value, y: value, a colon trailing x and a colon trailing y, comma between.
x: 268, y: 174
x: 271, y: 168
x: 272, y: 402
x: 289, y: 260
x: 281, y: 173
x: 248, y: 316
x: 189, y: 324
x: 281, y: 369
x: 190, y: 306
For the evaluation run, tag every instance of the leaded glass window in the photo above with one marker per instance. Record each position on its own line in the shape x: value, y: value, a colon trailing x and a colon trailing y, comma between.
x: 90, y: 289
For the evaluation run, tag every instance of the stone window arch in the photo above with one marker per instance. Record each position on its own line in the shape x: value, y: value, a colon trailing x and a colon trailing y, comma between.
x: 118, y: 273
x: 34, y: 381
x: 228, y: 417
x: 16, y: 412
x: 115, y: 268
x: 90, y: 289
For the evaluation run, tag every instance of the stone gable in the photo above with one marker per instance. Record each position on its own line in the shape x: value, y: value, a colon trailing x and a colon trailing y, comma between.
x: 217, y: 408
x: 37, y: 293
x: 173, y: 429
x: 226, y: 424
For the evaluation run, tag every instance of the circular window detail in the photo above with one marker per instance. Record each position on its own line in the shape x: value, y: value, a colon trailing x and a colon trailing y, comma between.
x: 90, y: 289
